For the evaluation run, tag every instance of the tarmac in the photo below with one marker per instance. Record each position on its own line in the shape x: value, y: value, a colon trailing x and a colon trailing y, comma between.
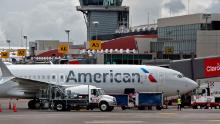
x: 118, y: 116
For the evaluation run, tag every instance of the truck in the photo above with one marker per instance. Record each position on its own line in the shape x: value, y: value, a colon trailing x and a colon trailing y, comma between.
x: 67, y: 98
x: 206, y: 96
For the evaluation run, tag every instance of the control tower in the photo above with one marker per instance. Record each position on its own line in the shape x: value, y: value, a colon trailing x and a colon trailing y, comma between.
x: 104, y: 16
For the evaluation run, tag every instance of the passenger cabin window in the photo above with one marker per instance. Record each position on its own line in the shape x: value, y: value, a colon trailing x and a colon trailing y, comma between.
x: 53, y: 77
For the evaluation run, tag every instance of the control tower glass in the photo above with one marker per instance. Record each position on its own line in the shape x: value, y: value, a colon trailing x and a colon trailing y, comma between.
x: 101, y: 2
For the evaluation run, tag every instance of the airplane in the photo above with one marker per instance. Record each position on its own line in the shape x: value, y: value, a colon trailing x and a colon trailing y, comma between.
x: 25, y: 81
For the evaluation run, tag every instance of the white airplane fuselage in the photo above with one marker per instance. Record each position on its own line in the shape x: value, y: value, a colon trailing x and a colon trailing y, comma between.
x: 114, y: 79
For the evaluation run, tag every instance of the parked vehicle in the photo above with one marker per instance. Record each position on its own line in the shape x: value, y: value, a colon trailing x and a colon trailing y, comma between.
x: 75, y: 98
x: 207, y: 95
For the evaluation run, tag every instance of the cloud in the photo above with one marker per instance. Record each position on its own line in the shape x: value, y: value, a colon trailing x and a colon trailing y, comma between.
x: 40, y: 19
x: 139, y: 10
x: 214, y: 8
x: 47, y: 19
x: 2, y: 36
x: 175, y: 6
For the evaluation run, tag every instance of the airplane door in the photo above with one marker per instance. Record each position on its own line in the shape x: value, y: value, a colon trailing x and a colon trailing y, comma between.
x: 160, y: 85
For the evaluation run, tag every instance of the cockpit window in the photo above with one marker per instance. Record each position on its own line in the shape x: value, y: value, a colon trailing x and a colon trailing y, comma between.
x: 179, y: 75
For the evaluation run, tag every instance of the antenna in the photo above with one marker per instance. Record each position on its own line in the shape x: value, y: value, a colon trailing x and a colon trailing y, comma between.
x: 148, y: 19
x: 170, y: 12
x: 188, y: 7
x: 21, y: 43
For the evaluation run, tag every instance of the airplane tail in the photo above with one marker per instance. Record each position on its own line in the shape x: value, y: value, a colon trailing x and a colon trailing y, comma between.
x: 5, y: 71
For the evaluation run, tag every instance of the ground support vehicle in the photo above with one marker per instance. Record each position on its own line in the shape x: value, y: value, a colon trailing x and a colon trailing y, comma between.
x: 74, y: 98
x: 122, y: 100
x: 207, y: 96
x: 148, y: 100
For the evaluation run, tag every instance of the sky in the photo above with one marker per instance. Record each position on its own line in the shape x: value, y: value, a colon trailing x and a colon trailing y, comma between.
x: 48, y: 19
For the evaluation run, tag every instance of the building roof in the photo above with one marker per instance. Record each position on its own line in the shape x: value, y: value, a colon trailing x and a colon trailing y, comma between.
x: 51, y: 53
x: 128, y: 42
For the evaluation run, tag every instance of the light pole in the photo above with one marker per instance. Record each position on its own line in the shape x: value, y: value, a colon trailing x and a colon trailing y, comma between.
x: 9, y: 45
x: 96, y: 23
x: 25, y: 37
x: 68, y: 35
x: 68, y: 38
x: 26, y: 44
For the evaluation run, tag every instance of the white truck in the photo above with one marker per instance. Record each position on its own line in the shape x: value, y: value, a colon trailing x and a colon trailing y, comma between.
x: 77, y: 97
x: 207, y: 95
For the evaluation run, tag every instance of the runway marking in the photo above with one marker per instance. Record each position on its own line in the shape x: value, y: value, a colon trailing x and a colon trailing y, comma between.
x: 168, y: 113
x: 113, y: 122
x: 214, y: 120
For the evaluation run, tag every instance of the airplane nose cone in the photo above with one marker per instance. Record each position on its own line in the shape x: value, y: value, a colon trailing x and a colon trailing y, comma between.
x: 191, y: 84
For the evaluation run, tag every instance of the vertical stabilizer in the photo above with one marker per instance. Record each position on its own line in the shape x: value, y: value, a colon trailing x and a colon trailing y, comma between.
x: 5, y: 71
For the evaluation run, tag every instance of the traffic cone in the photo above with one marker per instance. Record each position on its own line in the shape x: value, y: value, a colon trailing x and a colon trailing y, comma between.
x: 0, y: 108
x: 14, y: 108
x: 9, y: 105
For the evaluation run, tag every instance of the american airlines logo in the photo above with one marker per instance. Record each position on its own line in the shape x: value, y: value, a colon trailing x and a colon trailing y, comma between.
x: 110, y: 76
x: 150, y: 76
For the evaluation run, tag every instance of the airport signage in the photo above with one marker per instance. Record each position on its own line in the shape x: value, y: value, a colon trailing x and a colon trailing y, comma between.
x: 169, y: 50
x: 5, y: 55
x: 21, y: 52
x: 212, y: 67
x: 95, y: 44
x: 63, y: 48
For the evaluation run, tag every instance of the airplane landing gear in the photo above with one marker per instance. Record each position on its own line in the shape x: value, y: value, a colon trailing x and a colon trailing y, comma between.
x: 34, y: 104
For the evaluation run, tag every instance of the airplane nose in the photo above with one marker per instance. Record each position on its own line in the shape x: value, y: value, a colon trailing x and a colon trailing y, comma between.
x: 191, y: 84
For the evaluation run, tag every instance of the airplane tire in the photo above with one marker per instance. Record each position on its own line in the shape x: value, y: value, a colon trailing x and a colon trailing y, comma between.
x: 31, y: 104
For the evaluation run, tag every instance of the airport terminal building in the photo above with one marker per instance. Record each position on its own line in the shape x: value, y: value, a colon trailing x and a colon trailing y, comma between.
x: 189, y: 34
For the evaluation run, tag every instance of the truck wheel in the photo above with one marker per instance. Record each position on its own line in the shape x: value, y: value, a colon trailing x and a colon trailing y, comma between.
x: 59, y: 107
x: 141, y: 107
x: 111, y: 108
x: 158, y: 107
x: 37, y: 105
x: 123, y: 107
x: 194, y: 107
x: 104, y: 106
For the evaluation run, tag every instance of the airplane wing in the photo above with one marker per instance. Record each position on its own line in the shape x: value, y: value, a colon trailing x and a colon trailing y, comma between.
x: 30, y: 85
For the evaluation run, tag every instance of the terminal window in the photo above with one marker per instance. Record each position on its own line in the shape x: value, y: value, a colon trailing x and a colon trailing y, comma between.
x: 102, y: 2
